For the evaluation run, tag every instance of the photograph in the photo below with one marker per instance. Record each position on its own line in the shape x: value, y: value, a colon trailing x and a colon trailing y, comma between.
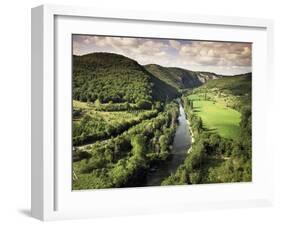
x: 160, y: 111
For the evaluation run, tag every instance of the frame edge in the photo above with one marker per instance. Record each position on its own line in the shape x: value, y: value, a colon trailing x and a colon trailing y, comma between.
x: 37, y: 40
x: 41, y: 206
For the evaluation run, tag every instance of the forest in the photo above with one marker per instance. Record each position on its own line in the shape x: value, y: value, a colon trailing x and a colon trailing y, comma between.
x: 126, y: 116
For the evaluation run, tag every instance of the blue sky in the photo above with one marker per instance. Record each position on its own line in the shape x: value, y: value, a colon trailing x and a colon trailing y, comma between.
x: 227, y: 58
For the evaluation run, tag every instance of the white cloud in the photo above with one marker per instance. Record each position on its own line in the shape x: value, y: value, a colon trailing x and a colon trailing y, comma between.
x: 219, y: 57
x: 217, y: 53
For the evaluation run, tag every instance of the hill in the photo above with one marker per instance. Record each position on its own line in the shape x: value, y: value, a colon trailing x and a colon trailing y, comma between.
x: 236, y: 85
x: 180, y: 78
x: 232, y: 91
x: 109, y: 77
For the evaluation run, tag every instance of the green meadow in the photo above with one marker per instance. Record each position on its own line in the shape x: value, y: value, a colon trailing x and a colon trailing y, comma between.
x: 217, y: 117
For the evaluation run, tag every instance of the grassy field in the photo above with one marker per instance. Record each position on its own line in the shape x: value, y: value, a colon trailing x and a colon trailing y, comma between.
x: 114, y: 117
x: 217, y: 117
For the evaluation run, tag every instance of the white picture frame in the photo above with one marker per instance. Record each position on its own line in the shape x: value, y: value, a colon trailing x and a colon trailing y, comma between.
x: 52, y: 198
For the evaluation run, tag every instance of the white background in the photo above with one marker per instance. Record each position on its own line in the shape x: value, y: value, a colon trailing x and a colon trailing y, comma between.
x: 15, y: 112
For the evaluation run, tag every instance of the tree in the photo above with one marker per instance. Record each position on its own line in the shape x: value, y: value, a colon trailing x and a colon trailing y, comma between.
x: 163, y: 141
x: 144, y: 104
x: 246, y: 121
x: 191, y: 104
x: 119, y: 173
x: 138, y: 143
x: 97, y: 103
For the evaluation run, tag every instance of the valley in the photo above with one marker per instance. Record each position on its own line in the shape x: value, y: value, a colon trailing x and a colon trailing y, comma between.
x: 150, y: 125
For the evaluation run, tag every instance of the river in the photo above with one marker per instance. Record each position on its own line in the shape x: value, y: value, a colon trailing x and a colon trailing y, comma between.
x: 181, y: 143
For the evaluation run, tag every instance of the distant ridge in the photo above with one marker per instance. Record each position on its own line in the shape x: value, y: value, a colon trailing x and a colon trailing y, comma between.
x: 110, y: 77
x: 180, y: 78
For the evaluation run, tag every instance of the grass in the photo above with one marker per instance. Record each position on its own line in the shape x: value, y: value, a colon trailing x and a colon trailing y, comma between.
x: 113, y: 117
x: 233, y: 91
x: 217, y: 117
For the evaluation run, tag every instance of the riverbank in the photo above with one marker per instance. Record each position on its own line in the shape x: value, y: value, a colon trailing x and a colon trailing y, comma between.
x: 191, y: 134
x: 182, y: 142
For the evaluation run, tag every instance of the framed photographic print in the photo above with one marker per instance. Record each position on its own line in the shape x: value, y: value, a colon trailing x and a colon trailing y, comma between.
x: 135, y: 112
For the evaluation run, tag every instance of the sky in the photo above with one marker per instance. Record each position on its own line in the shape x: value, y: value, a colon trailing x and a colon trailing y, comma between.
x: 225, y: 58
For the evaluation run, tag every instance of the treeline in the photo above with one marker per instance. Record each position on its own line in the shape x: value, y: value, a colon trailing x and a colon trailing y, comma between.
x: 140, y: 105
x: 89, y: 129
x: 115, y: 162
x: 214, y: 159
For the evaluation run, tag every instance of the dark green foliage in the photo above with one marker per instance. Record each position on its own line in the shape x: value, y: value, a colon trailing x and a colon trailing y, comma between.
x: 90, y: 130
x: 76, y: 113
x: 111, y: 77
x: 79, y: 155
x: 116, y: 161
x: 144, y: 104
x: 114, y: 107
x: 195, y: 121
x: 246, y: 121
